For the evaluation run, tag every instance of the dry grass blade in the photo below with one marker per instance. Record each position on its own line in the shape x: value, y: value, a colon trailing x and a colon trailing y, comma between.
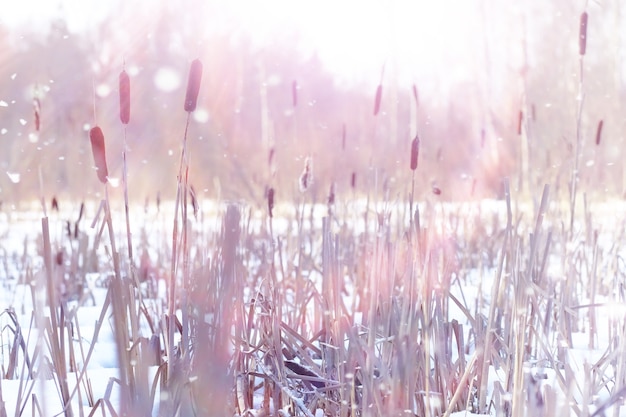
x: 193, y: 85
x: 124, y: 97
x: 99, y: 155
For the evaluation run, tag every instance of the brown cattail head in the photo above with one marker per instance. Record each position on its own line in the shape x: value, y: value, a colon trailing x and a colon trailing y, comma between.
x: 194, y: 201
x: 99, y: 156
x: 582, y: 40
x: 331, y: 194
x: 294, y: 93
x: 37, y: 111
x: 81, y: 212
x: 193, y: 85
x: 124, y: 97
x: 270, y: 201
x: 599, y: 132
x: 306, y: 178
x: 379, y: 94
x: 415, y: 150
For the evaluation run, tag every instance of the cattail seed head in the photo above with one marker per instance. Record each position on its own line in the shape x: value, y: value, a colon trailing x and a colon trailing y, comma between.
x: 379, y: 94
x: 99, y: 155
x: 124, y: 97
x: 193, y: 85
x: 415, y: 150
x: 331, y: 194
x: 270, y: 201
x: 306, y: 178
x: 582, y: 40
x: 353, y: 180
x: 37, y: 111
x: 599, y: 132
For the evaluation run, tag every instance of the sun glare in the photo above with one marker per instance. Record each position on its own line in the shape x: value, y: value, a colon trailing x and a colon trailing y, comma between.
x: 355, y: 39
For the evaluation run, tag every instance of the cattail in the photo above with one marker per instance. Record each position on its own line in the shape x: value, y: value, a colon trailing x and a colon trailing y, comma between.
x: 520, y: 118
x: 415, y: 150
x: 193, y: 85
x: 306, y: 178
x: 599, y: 132
x: 294, y: 93
x: 416, y: 96
x: 353, y: 180
x: 124, y: 97
x: 37, y: 111
x: 81, y: 211
x: 55, y: 204
x: 582, y: 40
x: 379, y: 93
x: 194, y: 201
x: 270, y: 201
x: 99, y: 155
x: 331, y: 194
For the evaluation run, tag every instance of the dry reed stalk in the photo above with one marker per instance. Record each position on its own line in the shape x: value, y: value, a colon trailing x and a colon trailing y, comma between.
x: 99, y: 155
x: 582, y: 38
x: 124, y: 97
x: 193, y: 85
x: 599, y: 132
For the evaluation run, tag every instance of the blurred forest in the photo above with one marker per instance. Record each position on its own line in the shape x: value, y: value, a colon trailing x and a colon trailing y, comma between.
x: 525, y: 72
